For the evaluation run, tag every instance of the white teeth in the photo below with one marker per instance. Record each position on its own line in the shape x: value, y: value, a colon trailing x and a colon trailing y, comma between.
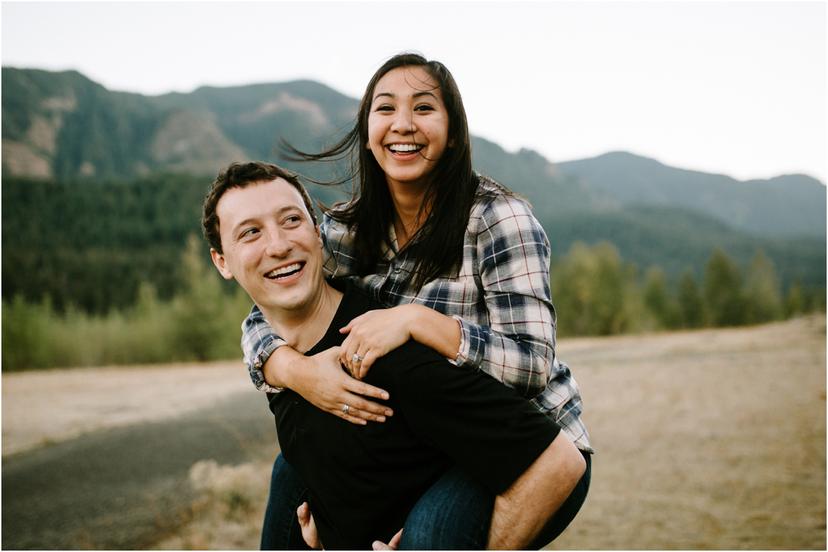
x: 405, y: 148
x: 284, y: 270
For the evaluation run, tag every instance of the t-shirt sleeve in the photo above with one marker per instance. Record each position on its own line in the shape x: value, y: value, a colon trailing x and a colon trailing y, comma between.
x: 486, y: 428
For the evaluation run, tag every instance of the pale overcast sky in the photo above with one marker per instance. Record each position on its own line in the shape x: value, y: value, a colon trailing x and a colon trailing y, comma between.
x: 737, y: 88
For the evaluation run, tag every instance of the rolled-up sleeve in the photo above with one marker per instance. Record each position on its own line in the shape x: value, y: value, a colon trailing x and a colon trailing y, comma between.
x: 258, y: 342
x: 517, y: 347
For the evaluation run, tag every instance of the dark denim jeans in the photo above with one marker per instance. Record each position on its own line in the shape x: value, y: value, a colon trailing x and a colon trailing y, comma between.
x: 454, y: 514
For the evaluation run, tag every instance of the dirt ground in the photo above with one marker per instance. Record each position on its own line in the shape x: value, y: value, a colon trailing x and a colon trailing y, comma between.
x: 50, y: 406
x: 710, y: 439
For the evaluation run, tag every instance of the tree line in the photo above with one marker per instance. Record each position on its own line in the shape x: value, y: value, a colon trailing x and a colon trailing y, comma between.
x: 595, y: 292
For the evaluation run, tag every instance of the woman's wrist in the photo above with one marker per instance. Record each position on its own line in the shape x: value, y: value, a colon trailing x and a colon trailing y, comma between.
x: 434, y: 329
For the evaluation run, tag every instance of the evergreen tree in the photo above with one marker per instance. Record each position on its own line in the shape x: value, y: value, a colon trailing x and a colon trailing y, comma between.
x: 761, y: 292
x: 658, y: 300
x: 794, y: 301
x: 691, y: 304
x: 595, y: 291
x: 724, y: 302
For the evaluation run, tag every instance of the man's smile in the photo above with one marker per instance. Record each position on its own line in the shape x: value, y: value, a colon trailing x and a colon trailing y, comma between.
x: 286, y: 271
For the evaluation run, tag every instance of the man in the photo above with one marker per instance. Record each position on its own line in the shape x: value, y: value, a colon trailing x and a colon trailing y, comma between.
x: 363, y: 480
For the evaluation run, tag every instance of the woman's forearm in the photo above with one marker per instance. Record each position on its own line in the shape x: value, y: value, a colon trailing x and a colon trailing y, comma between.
x: 435, y: 330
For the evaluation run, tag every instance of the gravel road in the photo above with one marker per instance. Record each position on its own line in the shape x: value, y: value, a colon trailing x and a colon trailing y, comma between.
x: 124, y: 486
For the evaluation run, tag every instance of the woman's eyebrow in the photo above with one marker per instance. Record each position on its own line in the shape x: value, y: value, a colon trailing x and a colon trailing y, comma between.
x: 415, y: 95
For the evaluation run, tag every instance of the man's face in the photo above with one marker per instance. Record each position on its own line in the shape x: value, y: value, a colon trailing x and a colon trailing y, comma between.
x: 271, y: 246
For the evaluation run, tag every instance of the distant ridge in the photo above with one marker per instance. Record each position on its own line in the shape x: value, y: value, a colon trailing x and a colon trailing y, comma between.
x: 67, y: 128
x: 788, y: 205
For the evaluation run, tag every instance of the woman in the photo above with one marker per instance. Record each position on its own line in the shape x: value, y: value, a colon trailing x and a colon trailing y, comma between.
x: 462, y: 263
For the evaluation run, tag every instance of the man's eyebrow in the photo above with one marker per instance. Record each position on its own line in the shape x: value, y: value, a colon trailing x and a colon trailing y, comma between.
x: 257, y: 218
x: 249, y: 220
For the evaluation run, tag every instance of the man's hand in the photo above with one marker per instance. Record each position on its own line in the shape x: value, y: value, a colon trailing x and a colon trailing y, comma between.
x: 392, y: 544
x: 308, y: 526
x: 372, y: 335
x: 321, y: 380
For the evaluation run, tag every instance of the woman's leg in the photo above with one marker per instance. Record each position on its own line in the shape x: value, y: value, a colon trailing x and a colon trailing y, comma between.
x: 280, y: 530
x: 454, y: 514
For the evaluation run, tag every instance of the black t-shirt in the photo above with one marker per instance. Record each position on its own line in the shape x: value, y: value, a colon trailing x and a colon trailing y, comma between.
x: 364, y: 480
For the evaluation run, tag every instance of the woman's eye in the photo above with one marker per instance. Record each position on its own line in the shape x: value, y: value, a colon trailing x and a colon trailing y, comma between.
x: 424, y: 107
x: 384, y: 107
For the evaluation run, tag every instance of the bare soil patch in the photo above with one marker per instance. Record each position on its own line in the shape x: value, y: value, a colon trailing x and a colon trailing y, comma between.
x: 711, y: 439
x: 707, y: 439
x: 49, y: 406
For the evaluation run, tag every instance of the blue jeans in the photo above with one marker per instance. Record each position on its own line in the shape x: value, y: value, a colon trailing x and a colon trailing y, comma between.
x: 453, y: 514
x: 281, y: 524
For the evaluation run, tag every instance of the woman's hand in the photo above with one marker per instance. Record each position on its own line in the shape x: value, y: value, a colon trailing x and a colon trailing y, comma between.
x: 372, y: 335
x: 323, y: 383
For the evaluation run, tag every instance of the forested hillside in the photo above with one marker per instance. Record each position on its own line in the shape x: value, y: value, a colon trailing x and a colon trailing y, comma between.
x: 102, y: 189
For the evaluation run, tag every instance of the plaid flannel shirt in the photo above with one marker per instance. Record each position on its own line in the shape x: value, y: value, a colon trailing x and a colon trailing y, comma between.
x: 501, y: 298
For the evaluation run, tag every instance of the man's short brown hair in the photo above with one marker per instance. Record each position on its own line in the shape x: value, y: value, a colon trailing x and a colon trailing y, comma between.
x: 240, y: 175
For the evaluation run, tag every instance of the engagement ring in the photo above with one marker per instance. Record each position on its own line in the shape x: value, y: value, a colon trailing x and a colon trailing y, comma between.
x: 345, y: 409
x: 356, y: 358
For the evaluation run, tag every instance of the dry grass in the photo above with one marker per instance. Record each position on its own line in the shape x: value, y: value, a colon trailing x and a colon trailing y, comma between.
x: 706, y: 440
x: 229, y: 513
x: 709, y: 439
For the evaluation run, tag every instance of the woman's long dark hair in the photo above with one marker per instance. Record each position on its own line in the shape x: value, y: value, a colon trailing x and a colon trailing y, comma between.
x: 450, y: 192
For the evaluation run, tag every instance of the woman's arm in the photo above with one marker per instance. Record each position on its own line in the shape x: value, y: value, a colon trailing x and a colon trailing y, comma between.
x: 273, y: 366
x: 517, y: 346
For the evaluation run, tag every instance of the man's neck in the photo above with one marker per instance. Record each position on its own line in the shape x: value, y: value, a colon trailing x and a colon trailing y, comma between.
x: 303, y: 329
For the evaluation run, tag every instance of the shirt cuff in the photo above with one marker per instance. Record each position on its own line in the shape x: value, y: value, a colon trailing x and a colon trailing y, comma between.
x: 472, y: 343
x: 270, y: 344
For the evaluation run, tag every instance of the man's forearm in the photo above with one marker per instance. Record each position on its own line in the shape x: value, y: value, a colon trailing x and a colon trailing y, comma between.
x: 524, y: 509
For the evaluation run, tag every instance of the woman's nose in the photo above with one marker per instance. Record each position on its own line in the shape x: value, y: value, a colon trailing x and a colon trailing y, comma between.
x: 404, y: 122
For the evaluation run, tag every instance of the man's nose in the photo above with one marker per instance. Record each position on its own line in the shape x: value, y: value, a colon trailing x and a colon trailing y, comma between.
x: 277, y: 244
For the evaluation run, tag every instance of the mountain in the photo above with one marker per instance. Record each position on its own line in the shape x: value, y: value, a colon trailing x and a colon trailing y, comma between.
x: 69, y: 144
x: 790, y: 205
x: 63, y: 125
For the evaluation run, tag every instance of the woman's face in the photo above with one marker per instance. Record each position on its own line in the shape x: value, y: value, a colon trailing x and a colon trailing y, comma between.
x: 407, y: 125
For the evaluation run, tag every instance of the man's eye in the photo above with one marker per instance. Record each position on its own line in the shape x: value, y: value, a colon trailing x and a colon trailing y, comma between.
x: 293, y: 220
x: 249, y: 232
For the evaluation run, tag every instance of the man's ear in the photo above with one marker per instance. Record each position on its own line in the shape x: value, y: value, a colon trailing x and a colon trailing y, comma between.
x: 221, y: 264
